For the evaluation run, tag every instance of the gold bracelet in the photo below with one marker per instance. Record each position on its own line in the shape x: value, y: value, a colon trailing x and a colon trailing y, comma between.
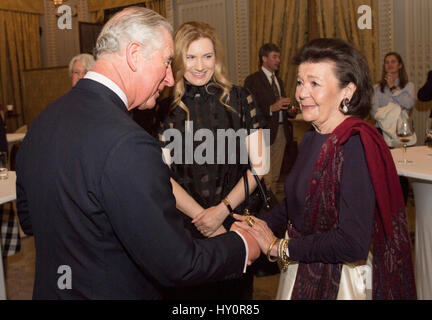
x: 283, y: 261
x: 279, y: 248
x: 269, y: 250
x: 228, y: 205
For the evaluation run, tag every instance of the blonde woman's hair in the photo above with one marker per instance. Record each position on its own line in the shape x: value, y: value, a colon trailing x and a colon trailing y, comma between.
x: 184, y: 36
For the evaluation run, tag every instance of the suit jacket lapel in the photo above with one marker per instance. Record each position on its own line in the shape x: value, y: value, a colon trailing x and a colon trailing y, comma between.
x: 265, y: 81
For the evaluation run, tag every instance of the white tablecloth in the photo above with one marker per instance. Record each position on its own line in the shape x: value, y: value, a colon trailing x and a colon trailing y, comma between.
x: 8, y: 188
x: 7, y: 193
x: 420, y: 175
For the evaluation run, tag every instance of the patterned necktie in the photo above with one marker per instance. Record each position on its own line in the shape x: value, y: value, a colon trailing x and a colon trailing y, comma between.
x: 274, y: 86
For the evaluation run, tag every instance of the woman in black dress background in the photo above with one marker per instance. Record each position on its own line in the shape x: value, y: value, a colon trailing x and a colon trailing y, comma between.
x: 206, y: 102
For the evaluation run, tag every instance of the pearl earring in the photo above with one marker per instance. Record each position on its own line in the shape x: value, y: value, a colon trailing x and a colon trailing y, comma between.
x: 344, y: 108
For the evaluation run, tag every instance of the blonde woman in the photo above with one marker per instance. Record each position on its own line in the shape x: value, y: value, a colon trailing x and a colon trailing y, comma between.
x: 207, y: 191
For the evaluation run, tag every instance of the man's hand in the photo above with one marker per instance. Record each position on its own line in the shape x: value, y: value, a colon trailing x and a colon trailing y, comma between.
x: 282, y: 104
x: 292, y: 112
x: 254, y: 249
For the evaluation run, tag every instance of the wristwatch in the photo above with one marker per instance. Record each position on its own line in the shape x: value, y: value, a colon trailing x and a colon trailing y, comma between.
x: 226, y: 202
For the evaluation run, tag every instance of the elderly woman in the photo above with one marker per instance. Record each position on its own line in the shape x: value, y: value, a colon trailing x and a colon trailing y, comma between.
x: 343, y: 201
x: 205, y: 97
x: 79, y: 65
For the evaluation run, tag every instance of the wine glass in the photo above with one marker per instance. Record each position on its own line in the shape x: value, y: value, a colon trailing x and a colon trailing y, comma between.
x: 405, y: 132
x: 428, y: 141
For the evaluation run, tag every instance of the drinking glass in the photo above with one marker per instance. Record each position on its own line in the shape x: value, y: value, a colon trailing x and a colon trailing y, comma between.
x: 3, y: 165
x: 405, y: 132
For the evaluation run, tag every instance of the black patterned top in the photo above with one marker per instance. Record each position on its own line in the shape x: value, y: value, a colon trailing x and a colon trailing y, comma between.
x: 206, y: 175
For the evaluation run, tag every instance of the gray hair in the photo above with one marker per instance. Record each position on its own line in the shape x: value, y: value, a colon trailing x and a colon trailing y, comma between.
x: 87, y: 60
x: 132, y: 24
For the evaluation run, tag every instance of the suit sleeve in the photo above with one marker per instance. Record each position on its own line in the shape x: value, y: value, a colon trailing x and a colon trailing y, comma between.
x: 138, y: 199
x: 425, y: 92
x: 250, y: 86
x: 22, y: 209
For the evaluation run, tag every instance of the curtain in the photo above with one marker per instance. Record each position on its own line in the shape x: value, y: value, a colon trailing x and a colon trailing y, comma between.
x: 97, y: 7
x: 32, y: 6
x: 283, y: 22
x: 19, y: 50
x: 338, y: 19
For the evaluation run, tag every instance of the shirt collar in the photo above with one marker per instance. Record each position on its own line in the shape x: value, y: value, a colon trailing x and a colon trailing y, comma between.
x: 267, y: 73
x: 108, y: 83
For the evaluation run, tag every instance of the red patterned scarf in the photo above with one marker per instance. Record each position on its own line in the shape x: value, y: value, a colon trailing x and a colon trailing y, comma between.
x: 393, y: 275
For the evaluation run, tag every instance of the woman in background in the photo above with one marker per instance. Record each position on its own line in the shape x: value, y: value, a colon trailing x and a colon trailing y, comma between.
x: 79, y: 65
x: 395, y: 89
x: 204, y: 96
x: 394, y: 85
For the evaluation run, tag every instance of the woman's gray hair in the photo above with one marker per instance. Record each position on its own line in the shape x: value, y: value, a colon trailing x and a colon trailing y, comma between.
x: 132, y: 24
x: 87, y: 60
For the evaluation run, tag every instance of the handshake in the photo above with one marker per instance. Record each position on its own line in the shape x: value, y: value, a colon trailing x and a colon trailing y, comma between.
x: 258, y: 236
x: 256, y: 233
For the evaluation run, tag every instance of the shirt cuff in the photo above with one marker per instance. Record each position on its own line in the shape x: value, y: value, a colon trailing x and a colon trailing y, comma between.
x: 247, y: 250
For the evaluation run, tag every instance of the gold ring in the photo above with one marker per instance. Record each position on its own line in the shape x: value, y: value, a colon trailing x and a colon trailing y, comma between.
x: 250, y: 221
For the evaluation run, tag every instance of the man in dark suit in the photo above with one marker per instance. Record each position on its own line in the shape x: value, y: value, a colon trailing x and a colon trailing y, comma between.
x: 92, y: 187
x: 269, y: 92
x: 425, y: 92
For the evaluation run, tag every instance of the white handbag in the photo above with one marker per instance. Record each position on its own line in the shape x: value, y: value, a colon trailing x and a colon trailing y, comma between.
x: 355, y: 282
x: 386, y: 118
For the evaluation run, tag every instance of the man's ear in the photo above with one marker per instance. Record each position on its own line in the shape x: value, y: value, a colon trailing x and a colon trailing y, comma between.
x: 133, y: 54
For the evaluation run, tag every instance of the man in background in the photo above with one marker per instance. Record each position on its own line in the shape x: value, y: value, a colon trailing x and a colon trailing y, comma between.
x: 425, y: 92
x: 92, y: 187
x: 269, y: 92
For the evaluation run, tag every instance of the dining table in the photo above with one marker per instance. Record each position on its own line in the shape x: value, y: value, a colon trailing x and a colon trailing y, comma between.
x: 7, y: 193
x: 419, y: 173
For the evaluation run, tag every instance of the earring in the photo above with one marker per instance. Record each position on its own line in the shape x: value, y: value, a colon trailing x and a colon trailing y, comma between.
x: 344, y: 108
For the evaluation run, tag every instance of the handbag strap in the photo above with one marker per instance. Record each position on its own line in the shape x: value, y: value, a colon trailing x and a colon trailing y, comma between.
x: 245, y: 176
x: 246, y: 188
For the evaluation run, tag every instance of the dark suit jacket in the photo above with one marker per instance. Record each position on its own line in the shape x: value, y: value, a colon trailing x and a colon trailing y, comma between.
x: 93, y: 189
x: 259, y: 86
x: 425, y: 92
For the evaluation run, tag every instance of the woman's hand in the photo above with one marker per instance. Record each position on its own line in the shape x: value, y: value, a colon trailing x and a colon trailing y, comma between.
x: 210, y: 219
x: 390, y: 79
x: 260, y: 231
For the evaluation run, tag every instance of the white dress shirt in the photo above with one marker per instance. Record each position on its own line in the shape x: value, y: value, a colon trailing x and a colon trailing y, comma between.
x: 269, y: 78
